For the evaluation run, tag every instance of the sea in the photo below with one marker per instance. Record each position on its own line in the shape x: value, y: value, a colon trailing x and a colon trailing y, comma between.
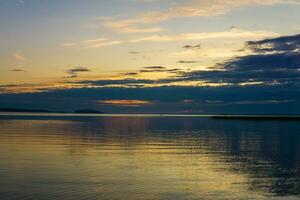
x: 147, y: 157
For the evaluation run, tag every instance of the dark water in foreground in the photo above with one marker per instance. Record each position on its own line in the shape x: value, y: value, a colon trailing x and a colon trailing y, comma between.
x: 148, y: 158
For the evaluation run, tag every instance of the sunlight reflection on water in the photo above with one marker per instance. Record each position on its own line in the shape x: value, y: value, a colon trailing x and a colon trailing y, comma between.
x: 119, y: 157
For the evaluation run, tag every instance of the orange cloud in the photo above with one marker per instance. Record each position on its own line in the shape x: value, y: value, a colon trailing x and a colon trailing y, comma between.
x: 125, y: 102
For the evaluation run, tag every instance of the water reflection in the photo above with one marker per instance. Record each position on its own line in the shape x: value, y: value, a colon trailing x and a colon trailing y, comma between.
x: 147, y: 158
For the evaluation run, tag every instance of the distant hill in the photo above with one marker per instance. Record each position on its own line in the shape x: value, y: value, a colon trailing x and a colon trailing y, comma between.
x: 257, y: 117
x: 88, y: 111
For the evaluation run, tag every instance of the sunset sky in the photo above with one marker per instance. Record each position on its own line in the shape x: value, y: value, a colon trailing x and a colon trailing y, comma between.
x: 178, y: 56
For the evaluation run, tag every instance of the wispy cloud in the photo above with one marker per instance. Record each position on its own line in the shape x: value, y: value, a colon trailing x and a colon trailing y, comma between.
x: 25, y: 88
x: 127, y: 26
x: 93, y: 43
x: 100, y: 42
x: 134, y: 52
x: 231, y: 34
x: 19, y: 56
x: 236, y: 34
x: 154, y: 67
x: 68, y: 44
x: 74, y: 71
x: 159, y: 69
x: 130, y: 74
x: 190, y: 8
x: 187, y: 61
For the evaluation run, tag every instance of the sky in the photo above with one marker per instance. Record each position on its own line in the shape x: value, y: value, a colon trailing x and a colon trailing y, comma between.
x: 151, y: 56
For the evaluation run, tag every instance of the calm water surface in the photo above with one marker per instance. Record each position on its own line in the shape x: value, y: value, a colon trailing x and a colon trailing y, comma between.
x: 147, y: 157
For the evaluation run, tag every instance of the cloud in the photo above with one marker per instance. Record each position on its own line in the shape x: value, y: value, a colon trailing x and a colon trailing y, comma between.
x: 287, y: 44
x: 130, y: 74
x: 134, y: 52
x: 198, y: 46
x: 24, y: 88
x: 264, y: 102
x: 190, y: 8
x: 231, y: 34
x: 74, y: 71
x: 126, y: 102
x: 115, y: 82
x: 273, y: 61
x: 222, y: 35
x: 265, y: 80
x: 147, y: 69
x: 69, y: 44
x: 151, y: 69
x: 99, y: 42
x: 17, y: 70
x: 19, y: 57
x: 154, y: 67
x: 174, y: 70
x: 94, y: 43
x: 269, y: 62
x: 127, y: 26
x: 187, y: 61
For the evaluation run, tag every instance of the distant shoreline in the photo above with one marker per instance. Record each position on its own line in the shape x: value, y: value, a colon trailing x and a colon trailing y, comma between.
x: 91, y: 112
x: 257, y: 117
x: 216, y: 117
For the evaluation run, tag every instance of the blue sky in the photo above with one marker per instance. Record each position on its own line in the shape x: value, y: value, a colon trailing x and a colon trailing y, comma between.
x: 145, y: 47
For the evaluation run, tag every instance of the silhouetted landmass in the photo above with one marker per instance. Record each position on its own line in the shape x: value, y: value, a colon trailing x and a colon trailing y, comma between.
x: 257, y: 117
x: 88, y: 111
x: 219, y: 116
x: 23, y: 110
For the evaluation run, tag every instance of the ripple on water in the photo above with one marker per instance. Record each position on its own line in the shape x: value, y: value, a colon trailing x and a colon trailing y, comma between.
x: 148, y: 158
